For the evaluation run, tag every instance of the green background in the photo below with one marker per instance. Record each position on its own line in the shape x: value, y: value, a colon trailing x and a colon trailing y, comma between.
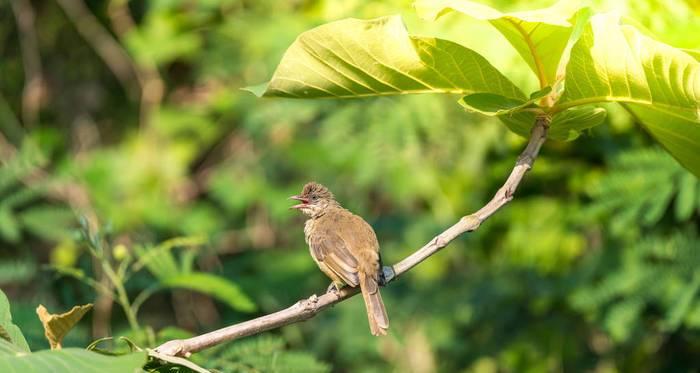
x: 593, y: 266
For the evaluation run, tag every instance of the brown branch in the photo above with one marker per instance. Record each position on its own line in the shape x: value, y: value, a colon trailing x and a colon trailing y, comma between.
x: 33, y: 78
x: 152, y: 86
x: 109, y: 50
x: 308, y: 308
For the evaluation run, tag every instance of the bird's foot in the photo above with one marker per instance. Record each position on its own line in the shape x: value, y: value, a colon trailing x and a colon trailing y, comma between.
x: 333, y: 288
x: 385, y: 275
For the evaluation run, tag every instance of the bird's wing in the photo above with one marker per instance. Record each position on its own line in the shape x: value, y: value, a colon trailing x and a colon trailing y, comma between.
x: 330, y: 249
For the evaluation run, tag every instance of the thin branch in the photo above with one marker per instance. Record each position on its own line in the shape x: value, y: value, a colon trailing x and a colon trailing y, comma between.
x: 308, y: 308
x: 152, y: 86
x: 33, y: 78
x: 109, y: 50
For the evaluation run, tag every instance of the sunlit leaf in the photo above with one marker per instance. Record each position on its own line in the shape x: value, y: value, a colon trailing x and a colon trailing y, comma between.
x: 56, y: 326
x: 539, y: 36
x: 659, y: 84
x: 357, y: 58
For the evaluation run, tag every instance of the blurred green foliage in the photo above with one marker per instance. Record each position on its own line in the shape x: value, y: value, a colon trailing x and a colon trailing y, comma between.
x: 593, y: 267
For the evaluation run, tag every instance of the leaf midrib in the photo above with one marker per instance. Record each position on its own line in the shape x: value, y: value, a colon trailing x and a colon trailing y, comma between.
x: 541, y: 76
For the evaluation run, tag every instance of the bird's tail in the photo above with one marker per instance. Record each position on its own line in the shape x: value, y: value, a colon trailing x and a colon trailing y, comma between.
x: 376, y: 313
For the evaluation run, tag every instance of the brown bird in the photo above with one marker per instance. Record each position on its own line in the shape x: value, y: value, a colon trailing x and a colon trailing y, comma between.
x: 345, y: 247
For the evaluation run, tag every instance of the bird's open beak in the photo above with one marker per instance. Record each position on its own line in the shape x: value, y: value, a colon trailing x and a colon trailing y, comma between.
x: 304, y: 202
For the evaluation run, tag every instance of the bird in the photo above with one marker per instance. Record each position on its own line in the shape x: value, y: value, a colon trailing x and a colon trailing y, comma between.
x: 345, y: 248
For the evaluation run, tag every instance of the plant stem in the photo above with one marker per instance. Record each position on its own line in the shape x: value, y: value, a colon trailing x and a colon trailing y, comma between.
x: 122, y: 297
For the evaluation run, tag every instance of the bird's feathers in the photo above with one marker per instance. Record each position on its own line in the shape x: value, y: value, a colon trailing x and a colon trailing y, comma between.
x: 346, y: 249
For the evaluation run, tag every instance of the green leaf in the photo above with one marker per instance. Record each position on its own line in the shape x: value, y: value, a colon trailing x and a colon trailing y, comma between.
x: 56, y: 326
x: 50, y: 223
x: 565, y: 126
x: 69, y: 360
x: 677, y: 312
x: 659, y: 84
x: 685, y: 202
x: 540, y: 36
x: 9, y: 229
x: 8, y: 330
x: 358, y: 58
x: 693, y: 53
x: 679, y: 136
x: 215, y: 286
x: 493, y: 105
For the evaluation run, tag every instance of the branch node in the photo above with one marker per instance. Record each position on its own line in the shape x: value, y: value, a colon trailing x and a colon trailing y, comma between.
x: 470, y: 222
x: 440, y: 242
x: 175, y: 347
x: 310, y: 304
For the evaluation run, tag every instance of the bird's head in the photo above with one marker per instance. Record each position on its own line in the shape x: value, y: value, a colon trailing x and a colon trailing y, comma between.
x: 314, y: 199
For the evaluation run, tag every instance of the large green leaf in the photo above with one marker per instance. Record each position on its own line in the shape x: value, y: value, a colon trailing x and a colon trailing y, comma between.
x: 678, y: 135
x: 540, y: 36
x: 68, y: 360
x: 8, y: 331
x: 218, y: 287
x: 658, y: 83
x: 357, y: 58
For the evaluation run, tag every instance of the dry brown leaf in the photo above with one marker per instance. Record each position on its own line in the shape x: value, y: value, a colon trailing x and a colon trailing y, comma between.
x: 57, y: 326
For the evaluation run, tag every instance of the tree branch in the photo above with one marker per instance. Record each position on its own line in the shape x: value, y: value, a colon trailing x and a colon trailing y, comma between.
x: 108, y: 49
x: 33, y: 77
x: 308, y: 308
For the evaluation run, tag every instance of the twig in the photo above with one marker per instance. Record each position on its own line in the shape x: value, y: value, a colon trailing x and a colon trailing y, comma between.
x: 308, y: 308
x: 152, y: 86
x: 33, y: 78
x: 109, y: 50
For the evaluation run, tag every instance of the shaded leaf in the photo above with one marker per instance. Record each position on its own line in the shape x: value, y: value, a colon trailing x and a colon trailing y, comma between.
x: 687, y: 195
x: 676, y: 314
x: 493, y: 105
x: 177, y: 361
x: 8, y: 330
x: 57, y: 326
x: 215, y: 286
x: 48, y: 222
x: 69, y: 360
x: 357, y: 58
x: 9, y: 228
x: 565, y: 126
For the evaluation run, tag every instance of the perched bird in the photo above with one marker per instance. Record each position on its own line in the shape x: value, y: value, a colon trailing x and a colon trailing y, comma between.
x: 345, y: 248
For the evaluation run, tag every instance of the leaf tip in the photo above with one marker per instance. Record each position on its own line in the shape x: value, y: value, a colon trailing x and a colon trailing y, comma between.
x: 258, y: 90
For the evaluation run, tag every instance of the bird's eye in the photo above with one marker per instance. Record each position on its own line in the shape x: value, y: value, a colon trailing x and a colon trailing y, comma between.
x: 314, y: 197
